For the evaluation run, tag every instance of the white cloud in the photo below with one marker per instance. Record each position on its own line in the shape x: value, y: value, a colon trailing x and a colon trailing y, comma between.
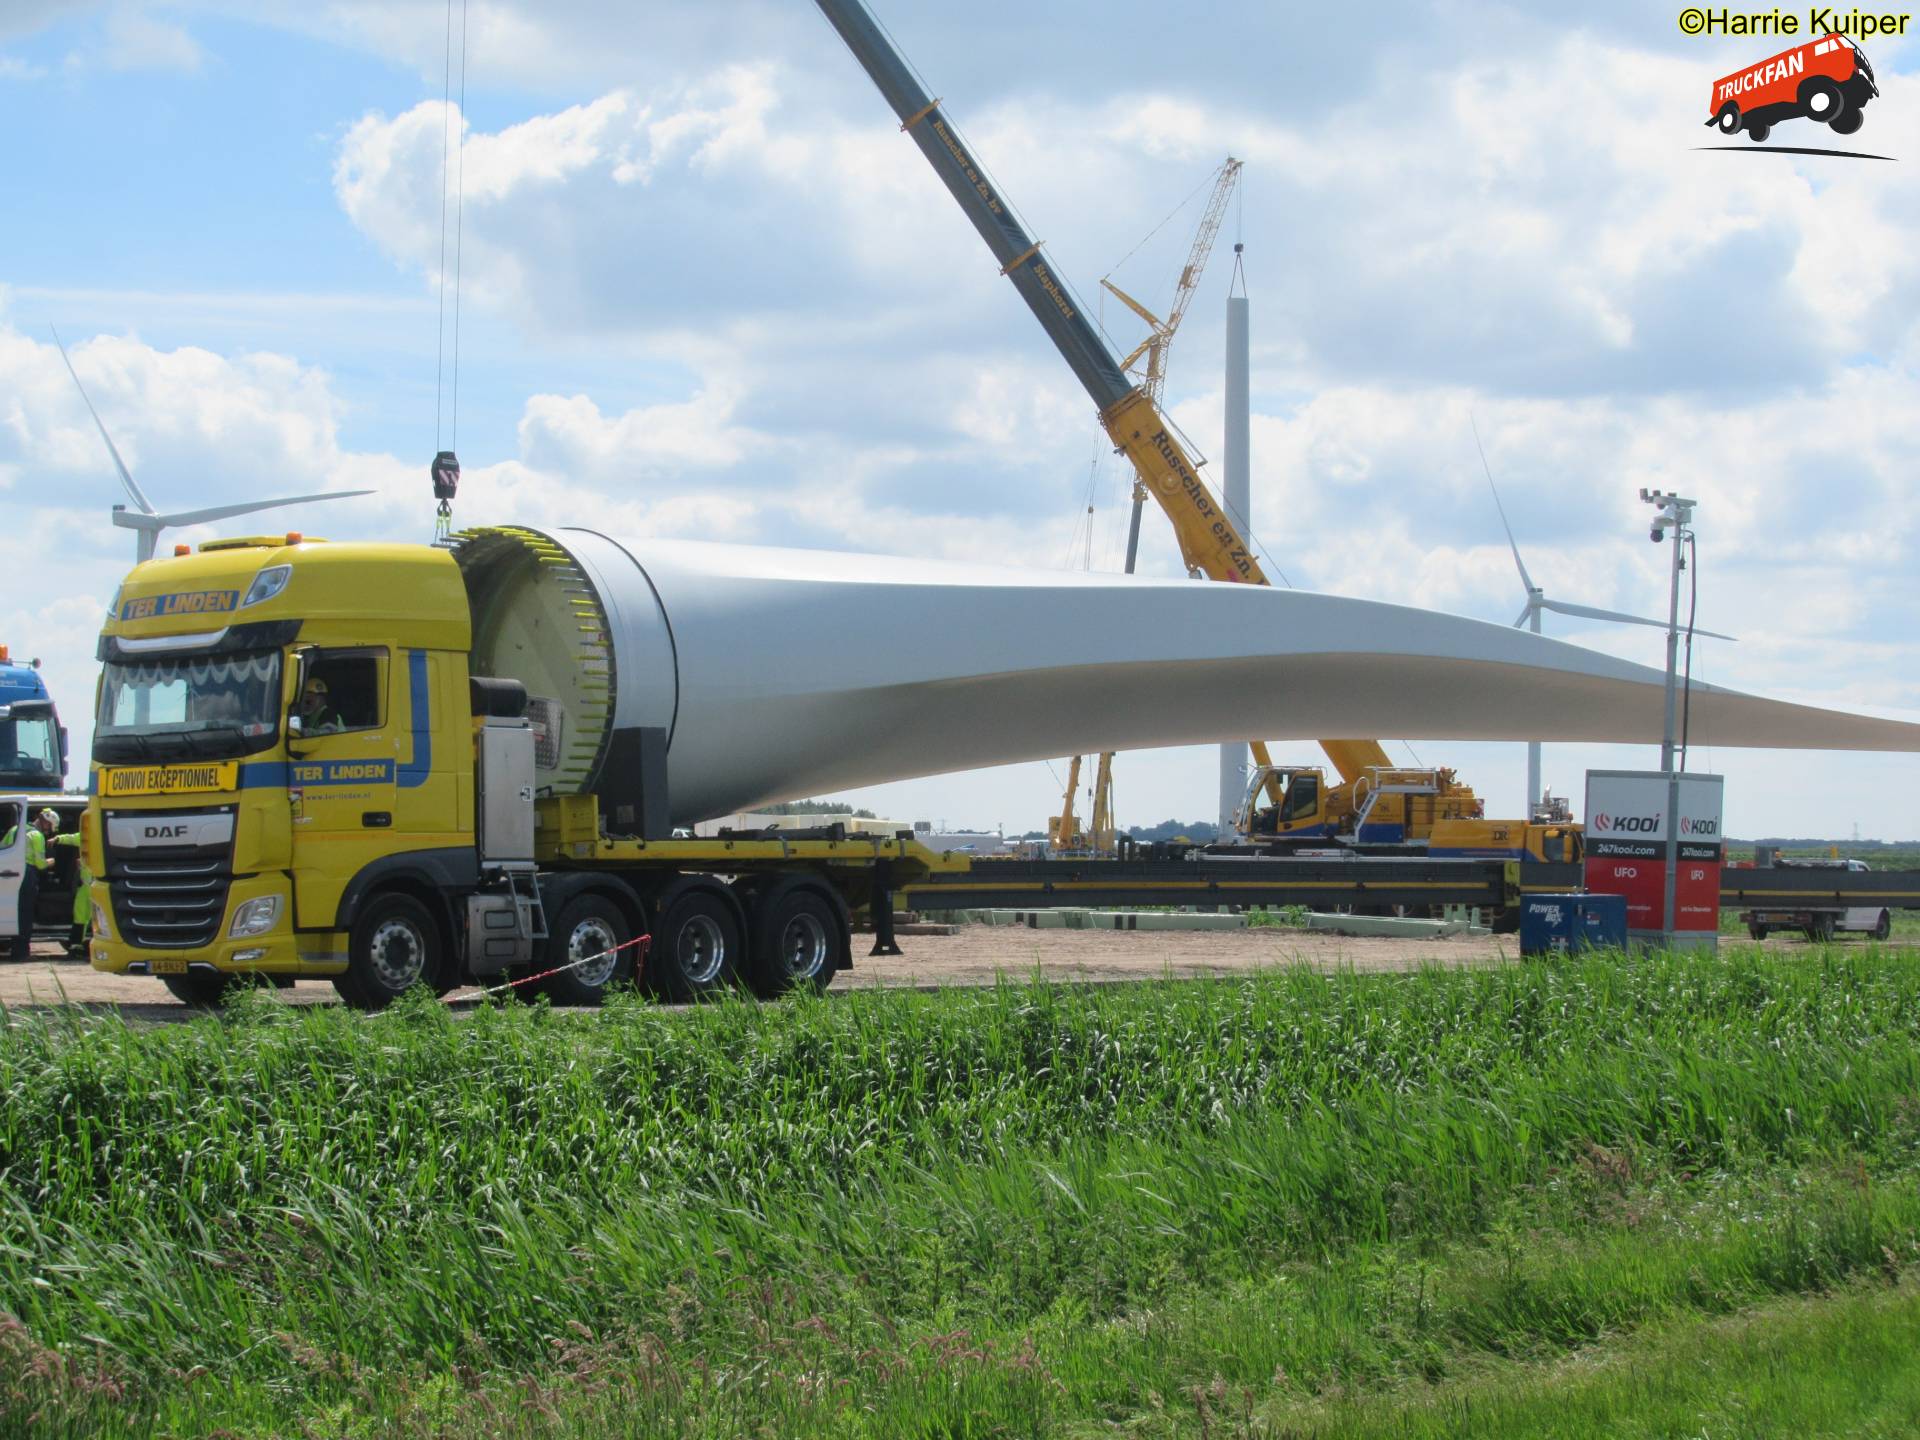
x: 135, y: 40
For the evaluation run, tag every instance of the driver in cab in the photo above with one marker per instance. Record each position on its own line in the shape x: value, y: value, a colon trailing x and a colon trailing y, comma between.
x: 317, y: 716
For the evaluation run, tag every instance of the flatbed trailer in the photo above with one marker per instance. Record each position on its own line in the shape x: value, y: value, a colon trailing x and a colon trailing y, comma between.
x: 1318, y: 882
x: 1359, y: 883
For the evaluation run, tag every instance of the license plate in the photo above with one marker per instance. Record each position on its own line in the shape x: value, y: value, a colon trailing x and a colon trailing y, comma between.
x: 169, y: 779
x: 169, y: 967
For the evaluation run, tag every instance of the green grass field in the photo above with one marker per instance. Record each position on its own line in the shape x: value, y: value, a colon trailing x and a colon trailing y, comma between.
x: 1608, y: 1196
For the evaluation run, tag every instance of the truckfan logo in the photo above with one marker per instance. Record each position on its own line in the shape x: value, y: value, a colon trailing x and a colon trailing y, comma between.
x: 1826, y: 78
x: 1628, y: 824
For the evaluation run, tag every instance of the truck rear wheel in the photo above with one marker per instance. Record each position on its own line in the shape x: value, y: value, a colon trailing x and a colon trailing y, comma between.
x: 1728, y: 119
x: 394, y: 946
x: 1848, y: 122
x: 1758, y: 932
x: 696, y: 945
x: 1884, y: 929
x: 588, y: 926
x: 799, y: 938
x: 1821, y: 930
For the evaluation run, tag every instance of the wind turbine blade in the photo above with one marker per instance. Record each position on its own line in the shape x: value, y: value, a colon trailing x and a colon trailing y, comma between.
x: 126, y: 475
x: 252, y: 507
x: 1519, y: 564
x: 1588, y: 612
x: 1526, y: 613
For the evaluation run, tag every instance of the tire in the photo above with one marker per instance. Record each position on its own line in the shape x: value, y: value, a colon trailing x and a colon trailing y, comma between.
x: 1847, y: 122
x: 394, y: 946
x: 697, y: 944
x: 1822, y: 101
x: 202, y: 991
x: 1758, y: 932
x: 1758, y: 132
x: 587, y: 925
x: 1820, y: 932
x: 1728, y: 119
x: 798, y: 937
x: 1884, y: 930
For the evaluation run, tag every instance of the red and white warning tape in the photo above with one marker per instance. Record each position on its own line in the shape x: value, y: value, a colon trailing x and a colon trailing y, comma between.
x: 639, y: 964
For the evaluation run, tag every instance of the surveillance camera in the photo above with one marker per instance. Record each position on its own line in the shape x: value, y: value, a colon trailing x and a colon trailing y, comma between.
x: 1654, y: 535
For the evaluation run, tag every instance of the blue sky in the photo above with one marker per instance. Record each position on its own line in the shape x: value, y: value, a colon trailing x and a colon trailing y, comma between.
x: 708, y: 289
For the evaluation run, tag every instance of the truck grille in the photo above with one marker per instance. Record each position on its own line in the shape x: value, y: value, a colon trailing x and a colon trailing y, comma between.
x: 172, y: 897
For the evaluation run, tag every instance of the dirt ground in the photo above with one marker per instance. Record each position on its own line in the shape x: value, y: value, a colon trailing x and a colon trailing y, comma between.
x: 975, y: 955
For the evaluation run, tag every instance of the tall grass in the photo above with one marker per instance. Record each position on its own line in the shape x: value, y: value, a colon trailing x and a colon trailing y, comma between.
x: 825, y: 1208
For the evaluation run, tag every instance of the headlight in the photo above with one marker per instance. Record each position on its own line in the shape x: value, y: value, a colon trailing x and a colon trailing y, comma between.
x: 267, y: 584
x: 256, y: 917
x: 100, y: 927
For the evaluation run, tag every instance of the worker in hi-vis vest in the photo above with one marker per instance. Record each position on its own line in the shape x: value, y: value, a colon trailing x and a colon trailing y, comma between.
x: 44, y: 824
x: 82, y: 896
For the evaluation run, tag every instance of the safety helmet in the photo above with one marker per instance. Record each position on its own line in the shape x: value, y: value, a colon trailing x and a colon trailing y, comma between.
x: 315, y: 689
x: 50, y: 815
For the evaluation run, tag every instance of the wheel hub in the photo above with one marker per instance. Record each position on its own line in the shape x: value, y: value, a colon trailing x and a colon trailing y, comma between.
x: 803, y: 946
x: 593, y: 937
x: 398, y: 953
x: 702, y: 950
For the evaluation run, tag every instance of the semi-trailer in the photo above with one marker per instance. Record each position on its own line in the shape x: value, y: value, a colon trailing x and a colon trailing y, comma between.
x: 396, y: 765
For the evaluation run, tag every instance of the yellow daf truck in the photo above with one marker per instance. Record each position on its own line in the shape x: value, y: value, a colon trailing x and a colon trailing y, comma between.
x: 299, y: 770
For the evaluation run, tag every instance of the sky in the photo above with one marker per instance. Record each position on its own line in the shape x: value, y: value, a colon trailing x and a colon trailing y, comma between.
x: 707, y: 289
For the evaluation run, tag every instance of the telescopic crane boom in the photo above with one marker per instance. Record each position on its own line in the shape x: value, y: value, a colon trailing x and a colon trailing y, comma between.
x: 1210, y: 543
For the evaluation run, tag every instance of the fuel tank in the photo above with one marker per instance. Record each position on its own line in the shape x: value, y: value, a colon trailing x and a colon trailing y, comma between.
x: 778, y: 673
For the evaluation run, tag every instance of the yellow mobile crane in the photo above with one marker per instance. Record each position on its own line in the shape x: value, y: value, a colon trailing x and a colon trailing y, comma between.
x: 1148, y: 360
x: 1210, y: 543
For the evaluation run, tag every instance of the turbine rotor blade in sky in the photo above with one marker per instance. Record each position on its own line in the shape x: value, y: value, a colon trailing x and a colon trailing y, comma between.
x: 126, y: 475
x: 1526, y: 613
x: 1590, y: 613
x: 1519, y: 564
x: 250, y: 507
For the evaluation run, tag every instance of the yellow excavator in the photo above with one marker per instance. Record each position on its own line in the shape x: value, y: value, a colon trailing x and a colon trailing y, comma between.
x: 1210, y: 543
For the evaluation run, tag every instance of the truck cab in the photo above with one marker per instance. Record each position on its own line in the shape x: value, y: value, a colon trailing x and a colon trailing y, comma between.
x: 33, y: 742
x: 235, y: 823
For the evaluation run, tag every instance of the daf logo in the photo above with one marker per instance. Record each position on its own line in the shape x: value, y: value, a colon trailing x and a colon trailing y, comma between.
x: 164, y: 832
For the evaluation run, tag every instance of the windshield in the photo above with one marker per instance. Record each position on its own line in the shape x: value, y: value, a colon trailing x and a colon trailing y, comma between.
x: 30, y: 747
x: 188, y: 706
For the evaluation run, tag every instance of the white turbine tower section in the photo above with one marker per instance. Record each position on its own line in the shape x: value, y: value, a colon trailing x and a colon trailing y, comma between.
x: 1537, y: 601
x: 1233, y: 755
x: 144, y: 520
x: 783, y: 673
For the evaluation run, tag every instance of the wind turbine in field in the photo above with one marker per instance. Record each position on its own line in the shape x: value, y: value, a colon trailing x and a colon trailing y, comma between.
x: 1537, y: 601
x: 144, y: 520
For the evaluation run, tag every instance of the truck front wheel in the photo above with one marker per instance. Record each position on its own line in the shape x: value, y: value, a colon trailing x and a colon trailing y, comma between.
x: 394, y: 946
x: 201, y: 990
x: 587, y: 936
x: 696, y: 946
